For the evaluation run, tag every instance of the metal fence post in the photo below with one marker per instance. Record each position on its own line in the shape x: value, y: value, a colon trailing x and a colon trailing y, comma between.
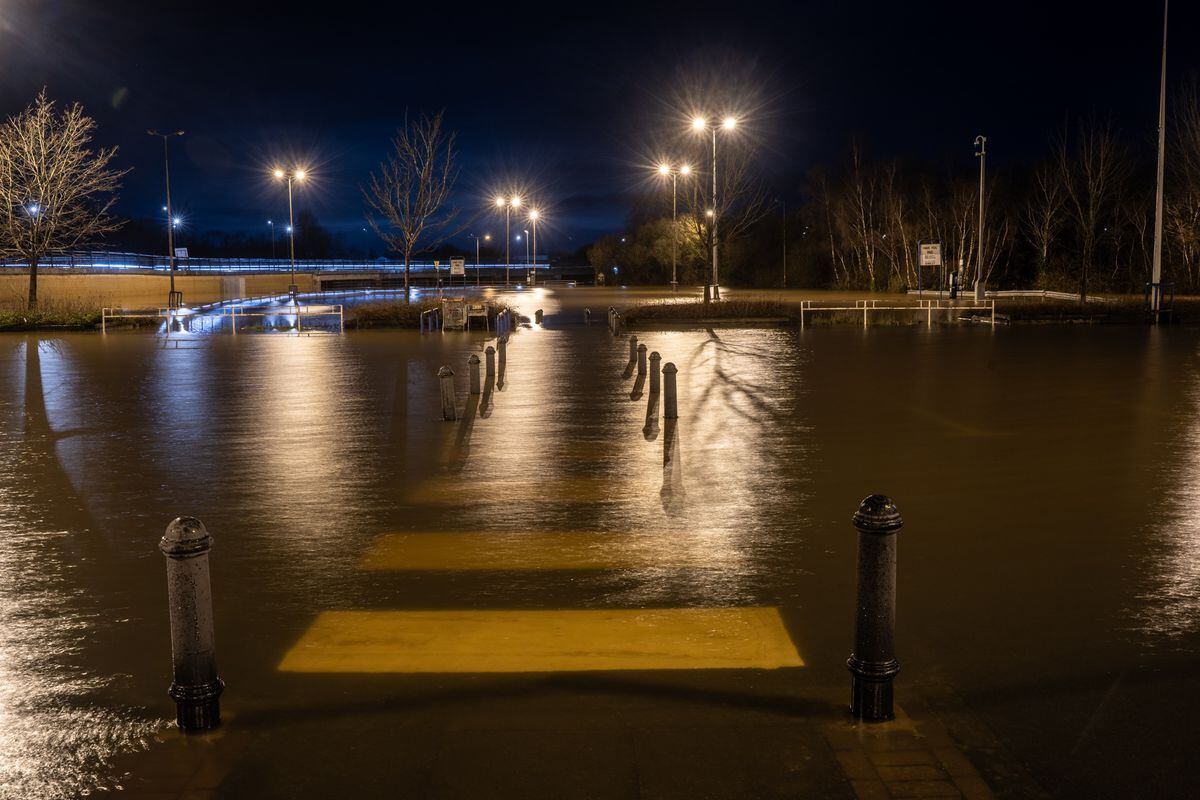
x: 196, y: 687
x: 641, y: 359
x: 446, y: 379
x: 473, y: 368
x: 670, y: 404
x: 872, y: 664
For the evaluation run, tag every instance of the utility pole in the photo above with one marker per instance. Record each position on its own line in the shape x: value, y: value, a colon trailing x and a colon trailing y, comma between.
x: 1156, y: 272
x: 981, y: 154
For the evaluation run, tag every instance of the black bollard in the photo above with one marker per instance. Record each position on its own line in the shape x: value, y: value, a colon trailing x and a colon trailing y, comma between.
x: 670, y: 403
x: 707, y: 293
x: 446, y: 380
x: 641, y: 359
x: 873, y: 663
x: 196, y: 687
x: 473, y: 366
x: 587, y: 316
x: 491, y: 361
x: 537, y: 316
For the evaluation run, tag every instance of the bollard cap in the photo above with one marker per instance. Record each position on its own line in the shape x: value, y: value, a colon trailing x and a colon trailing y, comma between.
x: 445, y: 372
x: 655, y: 356
x: 641, y: 348
x: 670, y: 367
x: 878, y: 514
x: 185, y: 537
x: 474, y: 359
x: 490, y: 350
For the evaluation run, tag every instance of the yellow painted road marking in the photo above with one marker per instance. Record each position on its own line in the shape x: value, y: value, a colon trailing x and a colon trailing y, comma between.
x: 543, y: 641
x: 521, y: 551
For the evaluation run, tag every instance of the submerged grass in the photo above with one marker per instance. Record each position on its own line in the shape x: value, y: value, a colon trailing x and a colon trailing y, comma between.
x: 396, y: 313
x: 73, y: 314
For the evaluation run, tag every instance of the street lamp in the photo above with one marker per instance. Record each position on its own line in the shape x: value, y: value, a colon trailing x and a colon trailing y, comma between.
x: 487, y: 237
x: 684, y: 170
x: 295, y: 176
x: 174, y: 299
x: 271, y: 225
x: 1156, y: 267
x: 534, y: 216
x: 981, y: 154
x: 728, y: 124
x: 508, y: 204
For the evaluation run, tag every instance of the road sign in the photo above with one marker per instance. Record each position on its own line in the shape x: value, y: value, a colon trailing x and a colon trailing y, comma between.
x: 930, y: 254
x: 181, y: 252
x: 458, y: 266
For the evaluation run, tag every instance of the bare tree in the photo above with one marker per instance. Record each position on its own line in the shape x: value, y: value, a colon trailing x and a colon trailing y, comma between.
x: 411, y: 188
x: 1091, y: 176
x: 1041, y: 217
x: 1183, y: 190
x: 55, y: 191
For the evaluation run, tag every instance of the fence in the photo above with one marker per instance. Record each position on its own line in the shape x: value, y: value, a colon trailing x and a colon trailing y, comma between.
x: 866, y: 307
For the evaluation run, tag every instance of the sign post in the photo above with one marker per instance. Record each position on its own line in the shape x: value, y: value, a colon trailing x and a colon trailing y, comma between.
x: 458, y: 266
x: 929, y: 254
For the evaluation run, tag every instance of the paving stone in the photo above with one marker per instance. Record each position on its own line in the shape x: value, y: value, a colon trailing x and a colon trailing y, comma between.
x: 973, y: 788
x: 891, y: 740
x: 856, y: 765
x: 913, y: 772
x: 921, y: 789
x: 955, y: 762
x: 902, y: 758
x: 870, y: 790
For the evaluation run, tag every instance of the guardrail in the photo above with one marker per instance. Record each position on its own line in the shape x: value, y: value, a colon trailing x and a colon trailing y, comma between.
x: 928, y: 306
x: 1042, y: 294
x: 189, y: 316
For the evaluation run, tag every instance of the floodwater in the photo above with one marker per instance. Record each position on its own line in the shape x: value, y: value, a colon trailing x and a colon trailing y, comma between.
x: 1049, y: 477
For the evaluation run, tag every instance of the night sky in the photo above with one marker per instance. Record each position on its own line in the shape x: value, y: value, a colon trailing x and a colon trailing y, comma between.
x: 572, y: 103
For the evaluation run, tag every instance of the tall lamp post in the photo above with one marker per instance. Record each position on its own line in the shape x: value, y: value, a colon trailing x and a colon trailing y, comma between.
x: 174, y: 299
x: 1156, y: 271
x: 684, y: 170
x: 526, y: 232
x: 271, y: 225
x: 508, y: 204
x: 981, y: 154
x: 534, y: 216
x: 487, y: 237
x: 294, y: 176
x: 727, y: 124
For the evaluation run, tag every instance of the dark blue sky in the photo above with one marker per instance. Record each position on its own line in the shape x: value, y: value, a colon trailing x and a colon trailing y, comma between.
x: 571, y: 101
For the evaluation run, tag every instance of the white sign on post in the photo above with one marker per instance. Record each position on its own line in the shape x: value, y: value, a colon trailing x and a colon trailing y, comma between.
x: 181, y: 252
x: 930, y: 254
x: 458, y: 266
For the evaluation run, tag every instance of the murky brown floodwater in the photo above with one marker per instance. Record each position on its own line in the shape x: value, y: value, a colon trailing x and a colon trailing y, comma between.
x: 1049, y: 478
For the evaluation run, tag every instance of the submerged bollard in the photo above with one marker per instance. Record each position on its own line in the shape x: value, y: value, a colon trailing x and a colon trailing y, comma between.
x: 670, y: 406
x: 632, y: 349
x: 490, y: 352
x: 641, y: 359
x: 196, y: 687
x: 655, y: 379
x: 587, y: 316
x: 503, y: 347
x: 473, y: 369
x: 537, y: 316
x: 446, y: 379
x: 873, y: 663
x: 707, y: 293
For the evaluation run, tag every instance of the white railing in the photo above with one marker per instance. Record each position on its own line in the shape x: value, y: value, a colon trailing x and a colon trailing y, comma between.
x: 927, y: 306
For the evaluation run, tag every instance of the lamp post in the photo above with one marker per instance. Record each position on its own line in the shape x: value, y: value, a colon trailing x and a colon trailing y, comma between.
x: 508, y: 204
x: 271, y: 225
x: 526, y: 232
x: 487, y: 237
x: 295, y: 175
x: 684, y: 170
x: 981, y: 154
x: 727, y: 124
x: 534, y: 216
x: 1156, y: 270
x: 174, y: 299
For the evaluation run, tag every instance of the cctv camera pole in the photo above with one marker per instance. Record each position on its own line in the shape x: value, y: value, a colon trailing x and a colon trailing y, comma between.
x: 174, y: 300
x: 981, y: 153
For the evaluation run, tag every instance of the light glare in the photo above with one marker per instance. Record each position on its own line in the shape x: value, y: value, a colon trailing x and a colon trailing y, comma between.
x: 699, y: 123
x: 729, y: 124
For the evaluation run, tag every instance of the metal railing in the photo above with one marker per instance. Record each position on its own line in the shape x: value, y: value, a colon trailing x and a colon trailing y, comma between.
x: 115, y: 262
x: 866, y: 307
x: 205, y: 318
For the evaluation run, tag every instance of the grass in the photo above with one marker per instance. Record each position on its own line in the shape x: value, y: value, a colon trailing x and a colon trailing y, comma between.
x: 76, y: 314
x: 395, y: 313
x: 674, y: 311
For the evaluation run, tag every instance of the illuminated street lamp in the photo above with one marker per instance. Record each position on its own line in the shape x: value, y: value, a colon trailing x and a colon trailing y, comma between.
x: 684, y: 170
x: 508, y: 204
x: 295, y: 176
x: 534, y: 216
x: 271, y: 225
x: 526, y: 232
x: 174, y: 299
x: 727, y: 125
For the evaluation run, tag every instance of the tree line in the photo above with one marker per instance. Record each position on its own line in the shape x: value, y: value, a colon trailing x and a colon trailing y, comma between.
x: 1082, y: 220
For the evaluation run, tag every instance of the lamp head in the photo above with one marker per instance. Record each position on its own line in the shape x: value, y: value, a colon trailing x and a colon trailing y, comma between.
x: 500, y: 202
x: 534, y: 214
x: 664, y: 169
x: 686, y: 169
x: 729, y: 123
x: 516, y: 202
x: 699, y: 123
x: 278, y: 173
x: 300, y: 174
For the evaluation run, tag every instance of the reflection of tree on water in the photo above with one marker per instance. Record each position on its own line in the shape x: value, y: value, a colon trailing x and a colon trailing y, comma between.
x: 56, y: 735
x: 729, y: 385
